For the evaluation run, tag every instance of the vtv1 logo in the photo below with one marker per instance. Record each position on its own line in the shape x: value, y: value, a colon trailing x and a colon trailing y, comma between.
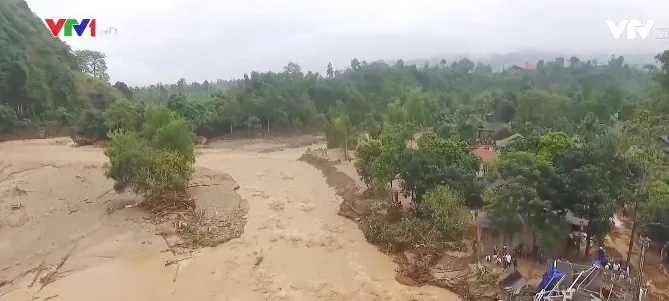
x: 55, y: 26
x: 632, y: 27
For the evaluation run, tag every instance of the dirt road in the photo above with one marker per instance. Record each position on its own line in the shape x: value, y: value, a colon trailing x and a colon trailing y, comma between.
x: 294, y: 245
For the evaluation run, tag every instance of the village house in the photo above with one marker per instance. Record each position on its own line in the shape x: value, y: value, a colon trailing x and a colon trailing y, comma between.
x: 516, y: 68
x: 503, y: 143
x: 487, y: 155
x: 524, y: 237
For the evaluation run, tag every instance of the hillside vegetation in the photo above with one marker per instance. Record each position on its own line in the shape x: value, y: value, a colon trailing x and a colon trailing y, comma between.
x: 41, y: 80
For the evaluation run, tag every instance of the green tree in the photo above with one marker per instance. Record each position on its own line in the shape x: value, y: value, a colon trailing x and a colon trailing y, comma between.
x: 156, y: 163
x: 252, y: 122
x: 366, y: 153
x: 121, y: 86
x: 592, y: 177
x: 330, y: 71
x: 539, y: 109
x: 654, y: 211
x: 501, y: 211
x: 435, y: 162
x: 393, y: 149
x: 531, y: 186
x: 551, y: 143
x: 447, y: 209
x: 92, y: 125
x: 8, y: 119
x: 124, y: 116
x: 93, y: 63
x: 342, y: 127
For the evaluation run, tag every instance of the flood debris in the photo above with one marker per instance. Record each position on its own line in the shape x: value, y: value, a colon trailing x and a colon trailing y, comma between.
x: 398, y: 236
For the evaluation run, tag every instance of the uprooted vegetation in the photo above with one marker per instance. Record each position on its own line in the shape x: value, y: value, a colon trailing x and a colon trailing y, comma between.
x: 416, y: 244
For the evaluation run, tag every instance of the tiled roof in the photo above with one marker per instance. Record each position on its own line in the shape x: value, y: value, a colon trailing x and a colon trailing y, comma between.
x: 486, y: 154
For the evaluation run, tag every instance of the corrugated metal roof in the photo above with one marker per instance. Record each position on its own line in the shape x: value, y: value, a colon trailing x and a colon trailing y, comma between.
x: 504, y: 142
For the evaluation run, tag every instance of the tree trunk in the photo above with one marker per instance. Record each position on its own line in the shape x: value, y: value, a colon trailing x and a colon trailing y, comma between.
x: 346, y: 145
x: 230, y: 127
x: 268, y: 125
x: 632, y: 235
x: 587, y: 244
x: 478, y: 236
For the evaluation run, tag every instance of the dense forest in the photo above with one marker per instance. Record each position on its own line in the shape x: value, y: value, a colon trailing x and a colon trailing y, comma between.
x: 444, y: 92
x: 591, y: 130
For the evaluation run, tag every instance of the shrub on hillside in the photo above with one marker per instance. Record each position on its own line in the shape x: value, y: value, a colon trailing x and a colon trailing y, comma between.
x: 157, y: 162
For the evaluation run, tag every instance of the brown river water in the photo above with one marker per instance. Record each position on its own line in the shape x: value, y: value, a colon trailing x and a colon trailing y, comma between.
x: 294, y: 245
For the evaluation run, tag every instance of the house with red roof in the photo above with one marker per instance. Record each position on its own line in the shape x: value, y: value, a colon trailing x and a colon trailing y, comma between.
x: 487, y: 155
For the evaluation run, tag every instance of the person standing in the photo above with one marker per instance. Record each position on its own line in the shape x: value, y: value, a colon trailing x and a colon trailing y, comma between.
x: 601, y: 256
x: 507, y: 258
x: 515, y: 264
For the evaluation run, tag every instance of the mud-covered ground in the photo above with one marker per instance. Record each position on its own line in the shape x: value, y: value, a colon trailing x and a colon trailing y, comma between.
x: 59, y: 216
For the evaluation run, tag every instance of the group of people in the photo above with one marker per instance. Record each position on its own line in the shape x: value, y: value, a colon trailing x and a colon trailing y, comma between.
x: 619, y: 267
x: 504, y: 259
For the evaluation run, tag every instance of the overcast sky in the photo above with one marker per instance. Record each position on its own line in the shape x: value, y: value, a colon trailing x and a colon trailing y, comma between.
x: 163, y: 40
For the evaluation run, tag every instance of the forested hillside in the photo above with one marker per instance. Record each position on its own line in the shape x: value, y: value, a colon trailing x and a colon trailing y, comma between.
x: 40, y: 76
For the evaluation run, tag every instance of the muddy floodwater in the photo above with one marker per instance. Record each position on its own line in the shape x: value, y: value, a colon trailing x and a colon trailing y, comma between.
x: 294, y: 245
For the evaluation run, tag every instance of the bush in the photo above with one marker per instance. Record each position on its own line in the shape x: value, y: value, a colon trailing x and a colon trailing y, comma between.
x: 8, y: 119
x: 124, y: 116
x: 148, y: 171
x: 91, y: 125
x: 448, y: 212
x: 485, y: 275
x: 157, y: 162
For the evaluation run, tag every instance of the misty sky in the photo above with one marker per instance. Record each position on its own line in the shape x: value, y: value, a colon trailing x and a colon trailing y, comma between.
x: 163, y: 40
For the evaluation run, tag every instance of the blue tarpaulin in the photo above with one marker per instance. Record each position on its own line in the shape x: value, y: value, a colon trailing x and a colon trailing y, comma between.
x: 596, y: 263
x: 550, y: 278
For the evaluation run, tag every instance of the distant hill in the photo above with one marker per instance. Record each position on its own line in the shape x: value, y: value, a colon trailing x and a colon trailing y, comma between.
x: 499, y: 61
x: 39, y: 74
